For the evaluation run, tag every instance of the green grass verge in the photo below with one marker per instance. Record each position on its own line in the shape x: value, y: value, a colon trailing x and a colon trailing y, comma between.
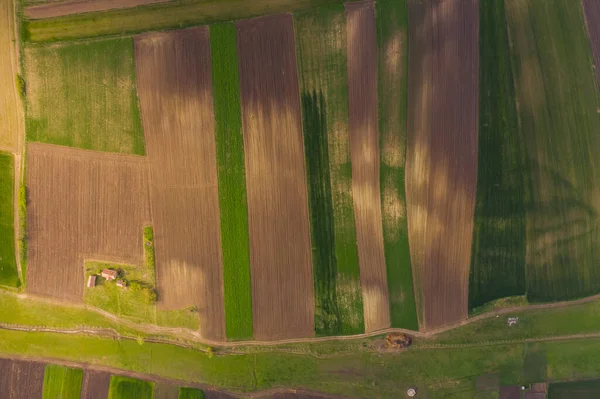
x: 232, y: 182
x: 190, y: 393
x: 9, y: 274
x: 174, y: 15
x: 392, y: 68
x: 558, y: 98
x: 129, y: 388
x: 321, y: 58
x: 589, y: 389
x: 62, y: 382
x: 499, y: 241
x: 23, y: 231
x: 84, y: 95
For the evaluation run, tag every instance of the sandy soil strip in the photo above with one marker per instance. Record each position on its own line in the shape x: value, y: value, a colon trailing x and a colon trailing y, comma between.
x: 56, y: 9
x: 364, y: 150
x: 441, y: 167
x: 11, y: 126
x: 280, y: 251
x: 175, y: 88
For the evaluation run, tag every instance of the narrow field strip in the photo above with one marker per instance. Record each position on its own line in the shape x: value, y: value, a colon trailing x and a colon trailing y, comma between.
x: 83, y: 95
x: 10, y: 124
x: 59, y: 9
x: 558, y: 97
x: 499, y: 239
x: 128, y: 388
x: 95, y: 384
x: 391, y: 18
x: 231, y: 174
x: 62, y: 382
x: 321, y: 58
x: 9, y: 274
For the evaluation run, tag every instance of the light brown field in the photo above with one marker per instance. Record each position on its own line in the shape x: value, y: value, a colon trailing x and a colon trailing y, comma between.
x: 81, y: 205
x: 441, y: 167
x: 10, y: 118
x: 59, y: 9
x: 280, y: 251
x: 95, y: 385
x: 364, y: 150
x: 21, y: 379
x: 175, y: 89
x: 592, y: 17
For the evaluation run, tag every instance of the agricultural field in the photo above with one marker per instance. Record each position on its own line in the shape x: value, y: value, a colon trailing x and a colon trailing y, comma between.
x: 62, y: 382
x: 321, y: 58
x: 83, y: 95
x: 499, y: 235
x: 21, y: 379
x: 364, y: 152
x: 232, y: 181
x: 165, y: 391
x: 278, y: 220
x: 441, y: 163
x: 95, y: 385
x: 11, y: 126
x: 82, y: 205
x: 592, y: 18
x: 190, y: 393
x: 586, y: 389
x: 9, y: 275
x: 127, y: 388
x: 558, y: 98
x: 175, y: 89
x: 52, y: 9
x: 391, y: 17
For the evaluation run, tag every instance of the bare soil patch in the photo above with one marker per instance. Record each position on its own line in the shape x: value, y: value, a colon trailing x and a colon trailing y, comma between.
x: 280, y: 250
x: 175, y: 89
x: 441, y: 168
x: 95, y: 385
x: 21, y: 379
x: 592, y: 16
x: 364, y: 150
x: 59, y: 9
x: 81, y: 205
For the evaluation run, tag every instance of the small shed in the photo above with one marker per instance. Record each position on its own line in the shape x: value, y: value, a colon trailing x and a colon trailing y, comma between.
x: 121, y: 283
x: 91, y: 281
x: 109, y: 274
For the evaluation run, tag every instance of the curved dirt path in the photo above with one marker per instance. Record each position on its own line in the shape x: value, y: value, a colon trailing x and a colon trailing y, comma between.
x: 60, y: 9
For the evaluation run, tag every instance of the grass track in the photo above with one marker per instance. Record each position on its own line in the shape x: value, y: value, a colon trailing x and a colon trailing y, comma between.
x: 9, y: 275
x: 232, y: 182
x: 321, y: 58
x: 129, y: 388
x: 174, y: 15
x: 499, y: 241
x: 190, y: 393
x: 392, y: 69
x: 62, y: 382
x: 84, y: 95
x: 558, y: 98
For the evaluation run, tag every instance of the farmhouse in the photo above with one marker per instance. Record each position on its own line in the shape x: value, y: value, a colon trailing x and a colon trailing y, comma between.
x: 91, y: 281
x: 109, y: 274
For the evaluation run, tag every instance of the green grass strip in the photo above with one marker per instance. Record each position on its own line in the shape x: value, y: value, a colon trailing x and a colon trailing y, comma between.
x: 232, y: 182
x: 129, y: 388
x: 9, y: 275
x: 392, y: 25
x: 62, y: 382
x: 499, y: 239
x: 190, y: 393
x: 321, y: 58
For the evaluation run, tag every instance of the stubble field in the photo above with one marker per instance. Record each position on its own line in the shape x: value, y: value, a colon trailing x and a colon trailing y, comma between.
x: 10, y: 126
x: 278, y: 220
x: 175, y: 89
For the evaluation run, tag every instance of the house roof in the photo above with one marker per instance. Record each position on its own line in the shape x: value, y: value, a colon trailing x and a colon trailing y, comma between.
x: 110, y: 272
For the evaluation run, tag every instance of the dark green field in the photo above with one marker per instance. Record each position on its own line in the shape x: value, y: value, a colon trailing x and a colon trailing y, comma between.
x: 62, y: 382
x: 190, y: 393
x: 129, y: 388
x: 321, y: 57
x: 558, y: 98
x: 232, y: 182
x: 499, y: 241
x: 589, y: 389
x: 8, y: 265
x: 392, y: 52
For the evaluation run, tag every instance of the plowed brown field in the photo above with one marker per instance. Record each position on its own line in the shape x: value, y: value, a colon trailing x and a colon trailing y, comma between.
x: 21, y: 379
x: 441, y: 167
x: 81, y: 205
x: 175, y: 89
x: 592, y: 16
x: 364, y: 150
x: 95, y: 385
x: 280, y: 251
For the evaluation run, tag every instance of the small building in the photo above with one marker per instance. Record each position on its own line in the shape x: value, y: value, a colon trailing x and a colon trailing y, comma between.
x: 121, y: 283
x: 109, y: 274
x: 91, y: 281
